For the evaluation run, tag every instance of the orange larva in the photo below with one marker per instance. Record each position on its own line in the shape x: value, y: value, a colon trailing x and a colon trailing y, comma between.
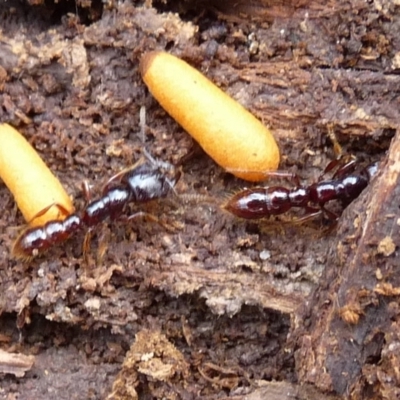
x: 227, y: 132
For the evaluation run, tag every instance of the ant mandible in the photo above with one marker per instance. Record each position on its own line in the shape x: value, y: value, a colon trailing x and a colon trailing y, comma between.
x: 146, y: 180
x: 346, y: 185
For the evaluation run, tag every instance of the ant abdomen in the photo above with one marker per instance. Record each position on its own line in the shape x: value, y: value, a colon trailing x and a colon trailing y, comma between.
x: 259, y: 203
x: 36, y: 240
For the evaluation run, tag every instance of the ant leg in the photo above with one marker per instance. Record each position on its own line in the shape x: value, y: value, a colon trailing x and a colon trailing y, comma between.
x: 330, y: 214
x: 88, y: 235
x: 140, y: 214
x: 86, y: 245
x: 346, y: 169
x: 308, y: 217
x: 315, y: 213
x: 148, y: 216
x: 291, y: 176
x: 86, y: 191
x: 337, y: 148
x: 103, y: 242
x: 194, y: 150
x: 143, y: 214
x: 333, y: 218
x: 120, y: 174
x: 44, y: 211
x: 344, y: 166
x: 190, y: 198
x: 313, y: 216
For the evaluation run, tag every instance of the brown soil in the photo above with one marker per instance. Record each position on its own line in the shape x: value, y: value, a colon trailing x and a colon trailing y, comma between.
x: 214, y: 307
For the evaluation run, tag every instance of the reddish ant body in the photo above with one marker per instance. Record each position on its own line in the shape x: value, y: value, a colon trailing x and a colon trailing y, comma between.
x: 345, y: 186
x: 145, y: 181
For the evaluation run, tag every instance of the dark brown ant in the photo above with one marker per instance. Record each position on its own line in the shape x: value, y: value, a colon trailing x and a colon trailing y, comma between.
x: 145, y: 181
x: 345, y: 186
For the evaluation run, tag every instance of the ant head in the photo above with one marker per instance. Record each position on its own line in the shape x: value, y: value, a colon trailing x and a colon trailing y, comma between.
x: 168, y: 170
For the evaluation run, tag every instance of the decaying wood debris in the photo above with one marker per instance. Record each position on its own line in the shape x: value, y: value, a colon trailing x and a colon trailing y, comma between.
x: 349, y: 344
x: 231, y: 309
x: 16, y: 364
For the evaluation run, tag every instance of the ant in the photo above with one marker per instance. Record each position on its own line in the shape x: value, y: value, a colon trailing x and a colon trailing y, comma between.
x: 143, y: 182
x: 146, y: 180
x: 346, y: 185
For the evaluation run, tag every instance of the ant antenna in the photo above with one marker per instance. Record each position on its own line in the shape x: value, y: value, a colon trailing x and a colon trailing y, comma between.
x: 142, y: 124
x: 148, y: 156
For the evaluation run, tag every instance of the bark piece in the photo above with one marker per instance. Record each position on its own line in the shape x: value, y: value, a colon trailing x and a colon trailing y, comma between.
x: 354, y: 315
x: 16, y: 364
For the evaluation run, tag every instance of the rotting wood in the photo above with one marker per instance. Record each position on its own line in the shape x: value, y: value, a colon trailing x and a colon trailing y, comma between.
x: 347, y: 345
x: 225, y: 292
x: 286, y: 391
x: 16, y: 364
x: 331, y: 69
